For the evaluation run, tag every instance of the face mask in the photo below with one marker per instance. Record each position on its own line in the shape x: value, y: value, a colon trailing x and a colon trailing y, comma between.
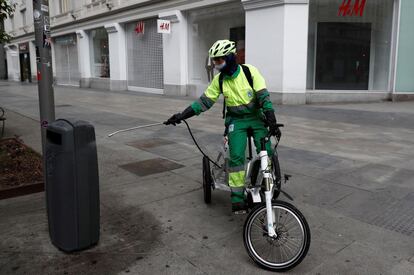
x: 220, y: 66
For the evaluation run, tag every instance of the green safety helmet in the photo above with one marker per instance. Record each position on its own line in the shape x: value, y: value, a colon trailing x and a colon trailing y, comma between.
x: 222, y: 48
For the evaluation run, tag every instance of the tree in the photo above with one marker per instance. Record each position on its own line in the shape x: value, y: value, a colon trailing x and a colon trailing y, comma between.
x: 6, y: 10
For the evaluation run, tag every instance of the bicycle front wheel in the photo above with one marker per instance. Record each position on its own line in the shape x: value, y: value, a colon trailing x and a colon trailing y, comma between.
x: 288, y: 248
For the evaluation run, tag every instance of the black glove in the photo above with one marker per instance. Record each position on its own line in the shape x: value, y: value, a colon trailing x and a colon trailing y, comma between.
x: 176, y: 118
x: 272, y: 123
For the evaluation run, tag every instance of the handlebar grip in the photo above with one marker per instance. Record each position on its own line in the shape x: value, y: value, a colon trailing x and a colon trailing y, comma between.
x: 280, y: 125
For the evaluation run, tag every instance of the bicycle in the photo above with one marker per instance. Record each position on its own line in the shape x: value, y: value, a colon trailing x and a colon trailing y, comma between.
x: 271, y: 224
x: 276, y: 235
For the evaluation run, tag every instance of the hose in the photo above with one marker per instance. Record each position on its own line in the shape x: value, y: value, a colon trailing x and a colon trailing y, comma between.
x: 195, y: 142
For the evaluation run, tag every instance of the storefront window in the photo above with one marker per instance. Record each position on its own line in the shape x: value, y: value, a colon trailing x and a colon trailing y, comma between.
x: 349, y: 44
x: 100, y: 53
x: 145, y: 55
x: 208, y: 25
x: 66, y: 56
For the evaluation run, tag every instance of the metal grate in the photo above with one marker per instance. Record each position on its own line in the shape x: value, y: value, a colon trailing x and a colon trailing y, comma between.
x: 145, y: 56
x: 151, y: 166
x: 149, y: 143
x: 399, y: 217
x: 63, y: 105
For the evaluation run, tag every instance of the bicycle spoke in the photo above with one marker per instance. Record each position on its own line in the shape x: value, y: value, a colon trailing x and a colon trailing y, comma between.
x: 296, y: 243
x: 259, y: 245
x: 276, y: 210
x: 286, y: 216
x: 294, y: 230
x: 290, y: 246
x: 282, y: 248
x: 256, y: 239
x: 259, y: 227
x: 270, y: 251
x: 292, y: 220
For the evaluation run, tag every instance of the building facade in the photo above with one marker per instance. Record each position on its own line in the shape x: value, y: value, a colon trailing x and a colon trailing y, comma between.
x: 308, y: 50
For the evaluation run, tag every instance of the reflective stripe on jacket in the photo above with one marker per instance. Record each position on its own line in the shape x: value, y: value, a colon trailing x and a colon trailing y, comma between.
x: 240, y: 99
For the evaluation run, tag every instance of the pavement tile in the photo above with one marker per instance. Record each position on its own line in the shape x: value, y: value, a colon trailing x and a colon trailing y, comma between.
x: 404, y: 267
x: 5, y: 258
x: 78, y: 263
x: 349, y: 261
x: 149, y: 189
x: 165, y: 262
x: 397, y: 245
x: 315, y: 191
x: 14, y: 207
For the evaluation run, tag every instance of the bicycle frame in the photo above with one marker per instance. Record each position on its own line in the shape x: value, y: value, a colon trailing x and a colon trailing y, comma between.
x: 218, y: 173
x: 251, y: 187
x: 267, y: 176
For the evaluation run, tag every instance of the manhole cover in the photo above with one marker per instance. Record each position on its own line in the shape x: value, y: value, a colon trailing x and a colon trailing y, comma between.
x: 149, y: 143
x: 151, y: 166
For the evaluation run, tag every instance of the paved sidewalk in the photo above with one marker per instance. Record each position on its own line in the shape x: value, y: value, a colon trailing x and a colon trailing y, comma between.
x: 353, y: 178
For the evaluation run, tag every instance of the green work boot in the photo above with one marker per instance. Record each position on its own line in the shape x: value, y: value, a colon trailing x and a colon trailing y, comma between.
x: 238, y: 204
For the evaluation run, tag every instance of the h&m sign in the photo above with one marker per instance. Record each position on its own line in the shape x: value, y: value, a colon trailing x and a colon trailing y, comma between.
x: 352, y: 8
x: 163, y: 26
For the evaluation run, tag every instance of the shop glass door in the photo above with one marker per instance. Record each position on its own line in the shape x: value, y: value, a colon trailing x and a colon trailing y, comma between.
x: 25, y: 67
x: 343, y: 56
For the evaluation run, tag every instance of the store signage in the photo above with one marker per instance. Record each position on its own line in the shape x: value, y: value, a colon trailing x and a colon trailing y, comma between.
x: 47, y: 42
x: 352, y: 8
x: 44, y: 8
x: 163, y: 26
x: 140, y: 27
x: 24, y: 47
x: 66, y: 40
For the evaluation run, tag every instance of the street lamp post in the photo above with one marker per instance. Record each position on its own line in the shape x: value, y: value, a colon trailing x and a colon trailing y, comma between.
x: 44, y: 66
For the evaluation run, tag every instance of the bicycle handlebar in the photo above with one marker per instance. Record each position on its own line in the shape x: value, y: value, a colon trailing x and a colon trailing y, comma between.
x: 269, y: 134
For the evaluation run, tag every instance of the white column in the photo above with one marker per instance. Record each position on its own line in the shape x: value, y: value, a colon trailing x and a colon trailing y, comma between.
x: 84, y: 59
x: 33, y: 64
x: 117, y: 56
x: 175, y: 54
x: 13, y: 63
x: 277, y: 44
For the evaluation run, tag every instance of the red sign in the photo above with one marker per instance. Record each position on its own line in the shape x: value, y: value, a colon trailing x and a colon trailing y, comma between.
x: 140, y: 27
x: 352, y: 8
x: 165, y: 26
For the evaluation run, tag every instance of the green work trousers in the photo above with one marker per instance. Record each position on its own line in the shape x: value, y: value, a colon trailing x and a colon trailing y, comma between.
x: 237, y: 136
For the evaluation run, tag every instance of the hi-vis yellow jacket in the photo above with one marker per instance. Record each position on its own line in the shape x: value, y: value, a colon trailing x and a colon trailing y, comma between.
x: 241, y: 100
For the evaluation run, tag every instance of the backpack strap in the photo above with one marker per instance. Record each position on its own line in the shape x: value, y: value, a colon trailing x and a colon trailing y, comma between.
x: 221, y: 76
x: 248, y: 75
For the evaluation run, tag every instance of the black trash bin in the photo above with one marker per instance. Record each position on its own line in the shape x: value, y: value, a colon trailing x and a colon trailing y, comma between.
x: 72, y: 184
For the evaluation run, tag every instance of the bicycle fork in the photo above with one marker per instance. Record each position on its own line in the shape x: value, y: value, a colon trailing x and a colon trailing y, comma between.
x: 267, y: 177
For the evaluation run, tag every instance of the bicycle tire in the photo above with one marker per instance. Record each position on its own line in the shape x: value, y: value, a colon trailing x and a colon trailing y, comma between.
x: 207, y: 180
x: 283, y: 239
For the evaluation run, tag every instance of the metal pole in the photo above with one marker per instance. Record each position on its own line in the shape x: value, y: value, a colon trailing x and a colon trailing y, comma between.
x: 44, y: 66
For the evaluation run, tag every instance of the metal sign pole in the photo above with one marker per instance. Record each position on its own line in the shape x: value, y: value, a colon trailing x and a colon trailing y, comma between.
x: 44, y: 66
